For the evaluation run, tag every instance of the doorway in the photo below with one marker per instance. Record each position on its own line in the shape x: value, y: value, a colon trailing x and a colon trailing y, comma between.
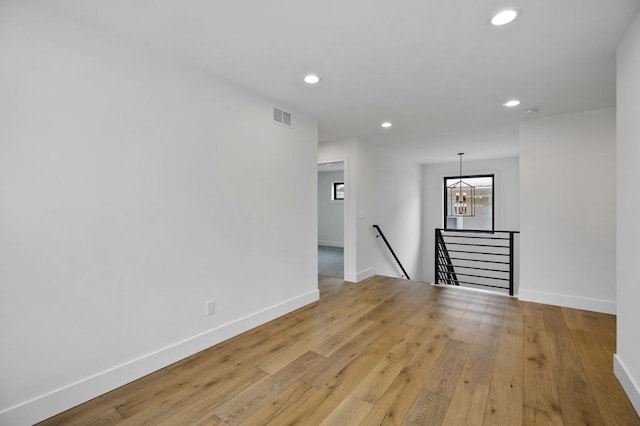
x: 331, y: 209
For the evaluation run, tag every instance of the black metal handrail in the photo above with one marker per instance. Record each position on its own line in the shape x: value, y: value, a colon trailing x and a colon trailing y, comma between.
x: 448, y: 269
x: 393, y: 253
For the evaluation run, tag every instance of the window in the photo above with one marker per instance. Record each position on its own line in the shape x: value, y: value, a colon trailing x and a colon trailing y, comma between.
x: 469, y: 202
x: 337, y: 191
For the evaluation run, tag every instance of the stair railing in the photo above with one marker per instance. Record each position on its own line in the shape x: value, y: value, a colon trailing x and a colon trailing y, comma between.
x: 380, y: 234
x: 444, y: 267
x: 475, y: 258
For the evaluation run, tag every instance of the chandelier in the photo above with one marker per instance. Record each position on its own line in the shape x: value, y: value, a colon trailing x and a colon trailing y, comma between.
x: 461, y: 197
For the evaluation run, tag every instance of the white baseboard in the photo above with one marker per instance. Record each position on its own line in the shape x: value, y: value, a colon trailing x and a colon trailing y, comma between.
x: 359, y: 276
x: 568, y: 301
x: 628, y: 383
x: 330, y: 243
x: 473, y: 289
x: 59, y: 400
x: 364, y: 274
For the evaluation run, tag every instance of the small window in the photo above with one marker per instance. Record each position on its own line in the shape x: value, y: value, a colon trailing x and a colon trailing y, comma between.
x: 337, y: 191
x: 468, y: 202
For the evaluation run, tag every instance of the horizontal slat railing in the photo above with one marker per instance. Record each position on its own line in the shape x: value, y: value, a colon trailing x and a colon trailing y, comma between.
x: 475, y: 258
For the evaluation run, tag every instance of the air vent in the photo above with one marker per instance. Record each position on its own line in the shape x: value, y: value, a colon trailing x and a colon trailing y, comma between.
x: 281, y: 117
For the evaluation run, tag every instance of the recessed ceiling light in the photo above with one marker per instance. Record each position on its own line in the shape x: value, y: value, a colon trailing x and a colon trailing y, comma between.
x: 311, y: 79
x: 531, y: 111
x: 504, y: 17
x: 512, y: 103
x: 386, y: 124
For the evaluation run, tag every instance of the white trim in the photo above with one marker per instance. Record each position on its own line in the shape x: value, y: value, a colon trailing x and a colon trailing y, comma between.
x: 360, y: 276
x: 364, y: 274
x: 568, y: 301
x: 59, y: 400
x: 477, y: 290
x: 330, y: 243
x: 350, y: 277
x: 628, y: 383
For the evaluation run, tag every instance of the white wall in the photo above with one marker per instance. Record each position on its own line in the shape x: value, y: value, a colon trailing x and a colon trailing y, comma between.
x: 330, y: 212
x: 567, y: 210
x: 398, y: 211
x: 627, y: 359
x: 132, y: 190
x: 506, y: 203
x: 382, y: 189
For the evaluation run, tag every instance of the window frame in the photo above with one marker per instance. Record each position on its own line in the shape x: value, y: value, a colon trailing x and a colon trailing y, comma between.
x: 334, y: 191
x: 493, y: 199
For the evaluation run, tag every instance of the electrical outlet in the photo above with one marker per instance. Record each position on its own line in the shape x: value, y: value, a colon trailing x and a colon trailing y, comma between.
x: 210, y: 307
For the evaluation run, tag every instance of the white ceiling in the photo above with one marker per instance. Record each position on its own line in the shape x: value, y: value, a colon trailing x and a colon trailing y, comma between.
x: 435, y: 68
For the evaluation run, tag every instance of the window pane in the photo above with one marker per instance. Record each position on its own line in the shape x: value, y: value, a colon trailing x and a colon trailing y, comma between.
x: 470, y: 205
x: 338, y: 191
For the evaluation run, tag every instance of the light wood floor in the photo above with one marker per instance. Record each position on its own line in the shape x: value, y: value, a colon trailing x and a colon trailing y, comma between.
x: 389, y: 351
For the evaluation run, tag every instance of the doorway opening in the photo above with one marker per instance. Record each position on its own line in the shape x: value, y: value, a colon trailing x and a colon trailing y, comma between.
x: 331, y: 208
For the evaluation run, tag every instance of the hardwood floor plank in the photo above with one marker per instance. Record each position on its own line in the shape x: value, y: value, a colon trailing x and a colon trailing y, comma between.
x: 314, y: 338
x: 351, y: 410
x: 573, y: 319
x: 388, y: 351
x: 603, y: 327
x: 348, y: 334
x: 467, y: 328
x: 567, y: 366
x: 335, y: 362
x: 555, y: 324
x: 392, y: 309
x: 194, y: 402
x: 208, y: 420
x: 98, y: 416
x: 282, y: 401
x: 540, y: 388
x: 182, y: 388
x: 491, y: 323
x: 574, y: 393
x: 329, y: 396
x: 396, y: 401
x: 447, y: 371
x: 579, y: 408
x: 608, y: 394
x: 534, y: 416
x: 504, y: 403
x: 480, y: 362
x: 513, y: 318
x: 467, y: 404
x: 533, y: 309
x: 428, y: 409
x: 242, y: 405
x: 372, y: 387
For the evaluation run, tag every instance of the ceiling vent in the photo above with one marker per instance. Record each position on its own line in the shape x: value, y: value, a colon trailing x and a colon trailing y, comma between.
x: 281, y: 117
